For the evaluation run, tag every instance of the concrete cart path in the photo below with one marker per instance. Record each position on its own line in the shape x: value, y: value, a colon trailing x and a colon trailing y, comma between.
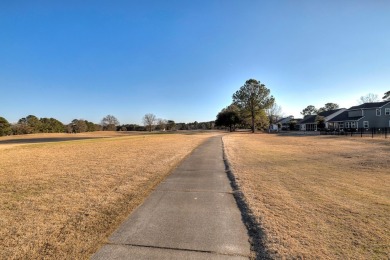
x: 191, y: 215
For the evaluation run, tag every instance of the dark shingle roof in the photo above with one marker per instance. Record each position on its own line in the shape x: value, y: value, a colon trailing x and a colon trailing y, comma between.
x: 328, y: 113
x: 344, y: 117
x: 310, y: 119
x: 370, y: 105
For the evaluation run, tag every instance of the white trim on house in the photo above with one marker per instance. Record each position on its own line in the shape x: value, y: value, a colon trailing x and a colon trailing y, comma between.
x: 328, y: 118
x: 387, y: 111
x: 378, y: 112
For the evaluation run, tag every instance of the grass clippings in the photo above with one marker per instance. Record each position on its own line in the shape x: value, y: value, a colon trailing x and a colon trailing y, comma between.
x: 316, y: 196
x: 62, y: 200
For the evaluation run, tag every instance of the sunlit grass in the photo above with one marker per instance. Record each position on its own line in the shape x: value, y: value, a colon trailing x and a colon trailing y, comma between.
x: 316, y: 197
x: 62, y: 200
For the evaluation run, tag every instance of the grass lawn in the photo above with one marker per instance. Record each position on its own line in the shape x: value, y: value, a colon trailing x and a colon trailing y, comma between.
x: 316, y: 196
x: 63, y: 199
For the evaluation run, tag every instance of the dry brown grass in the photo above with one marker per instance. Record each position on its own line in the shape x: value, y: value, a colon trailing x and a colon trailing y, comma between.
x: 62, y: 200
x: 316, y: 197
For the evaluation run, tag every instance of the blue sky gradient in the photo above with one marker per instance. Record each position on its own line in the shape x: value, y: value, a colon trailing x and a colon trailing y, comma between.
x: 183, y: 60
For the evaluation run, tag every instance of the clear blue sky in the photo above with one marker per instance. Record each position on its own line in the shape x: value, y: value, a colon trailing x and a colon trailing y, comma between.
x: 183, y: 60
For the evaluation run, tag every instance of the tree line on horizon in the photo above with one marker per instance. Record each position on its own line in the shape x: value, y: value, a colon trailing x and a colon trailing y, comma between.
x: 252, y: 107
x: 33, y: 125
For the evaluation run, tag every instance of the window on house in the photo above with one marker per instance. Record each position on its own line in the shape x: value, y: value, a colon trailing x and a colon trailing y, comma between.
x: 378, y: 112
x: 366, y: 124
x: 387, y: 111
x: 347, y: 125
x: 341, y: 125
x: 353, y: 124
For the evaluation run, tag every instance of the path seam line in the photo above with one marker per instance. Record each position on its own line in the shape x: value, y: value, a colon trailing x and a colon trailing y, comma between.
x: 197, y: 191
x: 177, y: 249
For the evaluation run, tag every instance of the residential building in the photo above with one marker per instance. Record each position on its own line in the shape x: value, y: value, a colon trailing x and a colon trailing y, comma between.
x: 309, y: 122
x: 284, y: 123
x: 367, y: 115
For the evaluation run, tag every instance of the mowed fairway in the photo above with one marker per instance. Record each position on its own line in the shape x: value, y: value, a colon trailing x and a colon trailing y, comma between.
x: 63, y: 199
x: 316, y: 197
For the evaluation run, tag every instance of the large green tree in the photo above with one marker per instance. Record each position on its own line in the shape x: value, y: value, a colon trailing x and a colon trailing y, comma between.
x: 309, y: 110
x: 386, y: 96
x: 92, y: 127
x: 228, y: 118
x: 253, y: 97
x: 328, y: 107
x: 171, y: 125
x: 28, y: 125
x: 5, y: 127
x: 51, y: 125
x: 77, y: 126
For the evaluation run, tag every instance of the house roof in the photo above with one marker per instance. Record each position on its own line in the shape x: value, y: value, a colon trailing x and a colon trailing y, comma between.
x: 344, y: 117
x: 370, y: 105
x: 328, y: 113
x: 285, y: 120
x: 311, y: 119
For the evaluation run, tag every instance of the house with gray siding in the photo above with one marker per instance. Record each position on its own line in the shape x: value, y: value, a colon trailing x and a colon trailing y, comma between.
x: 367, y: 115
x: 309, y: 122
x: 284, y: 122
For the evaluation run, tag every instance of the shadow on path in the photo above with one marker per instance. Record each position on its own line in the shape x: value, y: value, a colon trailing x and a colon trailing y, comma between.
x: 255, y: 230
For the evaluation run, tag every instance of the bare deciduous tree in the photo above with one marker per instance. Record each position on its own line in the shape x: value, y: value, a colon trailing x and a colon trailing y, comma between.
x: 369, y: 98
x: 162, y: 124
x: 274, y: 113
x: 109, y: 123
x: 149, y: 120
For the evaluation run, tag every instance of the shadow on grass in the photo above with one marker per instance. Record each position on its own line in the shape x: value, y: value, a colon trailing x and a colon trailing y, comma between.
x: 255, y: 230
x: 43, y: 140
x: 120, y: 134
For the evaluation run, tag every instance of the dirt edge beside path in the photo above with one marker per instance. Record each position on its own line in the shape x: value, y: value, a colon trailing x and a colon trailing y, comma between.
x: 255, y: 230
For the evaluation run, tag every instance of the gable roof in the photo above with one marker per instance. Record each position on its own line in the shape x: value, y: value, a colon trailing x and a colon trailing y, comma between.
x: 344, y: 117
x: 284, y: 120
x: 309, y: 119
x: 328, y: 113
x: 370, y: 105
